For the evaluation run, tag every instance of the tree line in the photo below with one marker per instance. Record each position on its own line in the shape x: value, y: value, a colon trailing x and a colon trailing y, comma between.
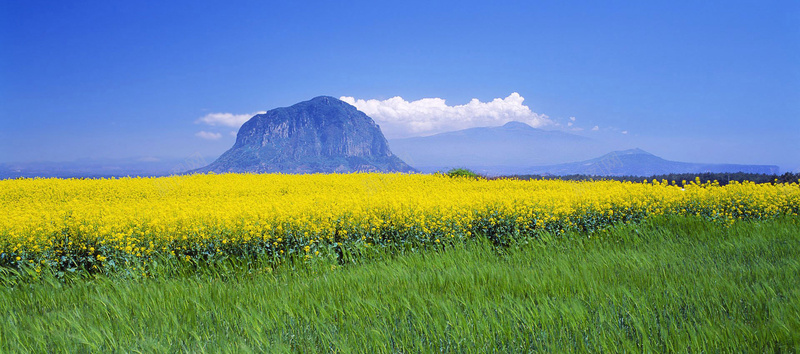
x: 679, y: 178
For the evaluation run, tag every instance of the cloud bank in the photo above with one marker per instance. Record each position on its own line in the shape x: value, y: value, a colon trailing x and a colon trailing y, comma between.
x: 226, y: 119
x: 208, y: 135
x: 223, y: 120
x: 401, y: 118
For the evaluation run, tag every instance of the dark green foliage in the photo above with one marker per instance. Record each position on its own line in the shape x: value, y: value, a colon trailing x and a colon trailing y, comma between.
x: 462, y: 172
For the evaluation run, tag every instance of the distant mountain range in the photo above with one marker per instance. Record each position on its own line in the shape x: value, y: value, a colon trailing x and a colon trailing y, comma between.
x: 517, y: 148
x: 328, y: 135
x: 494, y: 150
x: 322, y: 135
x: 637, y: 162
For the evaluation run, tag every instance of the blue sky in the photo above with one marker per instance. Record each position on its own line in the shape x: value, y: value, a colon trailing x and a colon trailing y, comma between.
x: 688, y: 81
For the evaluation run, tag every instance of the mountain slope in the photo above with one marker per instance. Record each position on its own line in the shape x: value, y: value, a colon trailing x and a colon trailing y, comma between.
x: 493, y: 150
x: 637, y: 162
x: 320, y: 135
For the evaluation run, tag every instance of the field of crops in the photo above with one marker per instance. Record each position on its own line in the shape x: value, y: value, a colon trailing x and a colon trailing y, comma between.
x: 110, y: 224
x: 667, y: 284
x: 397, y: 262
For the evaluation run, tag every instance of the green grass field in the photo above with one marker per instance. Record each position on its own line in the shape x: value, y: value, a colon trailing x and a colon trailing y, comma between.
x: 668, y: 285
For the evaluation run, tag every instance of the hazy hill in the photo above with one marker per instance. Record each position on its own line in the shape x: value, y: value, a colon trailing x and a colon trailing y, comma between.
x: 637, y: 162
x: 493, y: 150
x: 320, y: 135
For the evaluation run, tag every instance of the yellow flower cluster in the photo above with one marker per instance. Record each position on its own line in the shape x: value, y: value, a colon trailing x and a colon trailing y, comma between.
x: 94, y: 223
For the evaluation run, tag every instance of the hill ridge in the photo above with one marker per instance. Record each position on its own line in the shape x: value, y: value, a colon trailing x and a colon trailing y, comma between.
x: 637, y: 162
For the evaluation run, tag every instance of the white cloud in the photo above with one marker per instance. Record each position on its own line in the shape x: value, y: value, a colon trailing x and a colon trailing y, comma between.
x: 624, y: 132
x: 208, y: 135
x: 226, y: 119
x: 223, y: 119
x: 569, y: 124
x: 595, y: 128
x: 572, y: 119
x: 401, y: 118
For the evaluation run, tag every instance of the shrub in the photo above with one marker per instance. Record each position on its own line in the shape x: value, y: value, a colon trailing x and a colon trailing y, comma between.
x: 462, y: 172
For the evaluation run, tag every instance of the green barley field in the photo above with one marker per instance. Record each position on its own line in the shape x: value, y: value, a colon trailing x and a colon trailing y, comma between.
x: 675, y: 284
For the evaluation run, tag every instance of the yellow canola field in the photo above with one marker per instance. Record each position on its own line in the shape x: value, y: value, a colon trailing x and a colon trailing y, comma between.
x: 70, y: 222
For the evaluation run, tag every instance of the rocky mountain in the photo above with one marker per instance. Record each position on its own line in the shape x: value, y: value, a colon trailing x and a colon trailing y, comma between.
x: 494, y: 150
x: 637, y: 162
x: 321, y: 135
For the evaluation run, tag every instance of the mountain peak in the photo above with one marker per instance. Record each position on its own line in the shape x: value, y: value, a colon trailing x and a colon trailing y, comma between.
x: 324, y: 100
x: 636, y: 151
x: 323, y: 134
x: 517, y: 125
x: 637, y: 162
